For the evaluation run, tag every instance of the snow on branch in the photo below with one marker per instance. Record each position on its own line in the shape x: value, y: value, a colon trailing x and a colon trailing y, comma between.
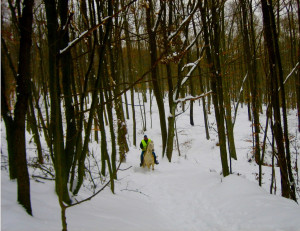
x: 239, y: 97
x: 157, y: 20
x: 190, y: 97
x: 290, y: 74
x: 193, y: 42
x: 193, y: 67
x: 72, y: 43
x: 243, y: 83
x: 171, y: 36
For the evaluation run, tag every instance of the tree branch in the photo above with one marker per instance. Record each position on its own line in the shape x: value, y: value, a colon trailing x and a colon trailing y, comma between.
x: 88, y: 32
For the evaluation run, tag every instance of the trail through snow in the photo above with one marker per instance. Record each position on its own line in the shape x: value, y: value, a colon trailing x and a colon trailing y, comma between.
x: 188, y: 194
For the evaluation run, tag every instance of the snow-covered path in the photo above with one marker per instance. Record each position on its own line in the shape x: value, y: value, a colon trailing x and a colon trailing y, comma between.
x: 188, y: 194
x: 186, y: 197
x: 174, y: 197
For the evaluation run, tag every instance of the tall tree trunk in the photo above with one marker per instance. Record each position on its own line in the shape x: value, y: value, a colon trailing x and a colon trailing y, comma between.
x: 298, y: 75
x: 252, y: 73
x: 104, y: 152
x: 275, y: 72
x: 284, y: 113
x: 124, y: 80
x: 130, y: 75
x: 227, y: 93
x: 66, y: 65
x: 215, y: 79
x: 156, y: 89
x: 94, y: 103
x: 9, y: 125
x: 172, y: 105
x: 121, y: 123
x: 201, y: 85
x: 23, y: 94
x: 56, y: 128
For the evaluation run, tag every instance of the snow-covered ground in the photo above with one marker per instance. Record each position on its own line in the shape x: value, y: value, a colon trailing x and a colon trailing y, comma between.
x: 188, y: 194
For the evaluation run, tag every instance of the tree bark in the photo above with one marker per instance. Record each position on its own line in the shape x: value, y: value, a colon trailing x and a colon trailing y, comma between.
x: 298, y: 75
x: 130, y: 75
x: 56, y: 127
x: 201, y: 86
x: 94, y: 103
x: 34, y: 128
x: 21, y: 107
x: 156, y: 88
x: 250, y: 59
x: 215, y: 79
x: 9, y: 126
x: 275, y: 72
x: 66, y: 65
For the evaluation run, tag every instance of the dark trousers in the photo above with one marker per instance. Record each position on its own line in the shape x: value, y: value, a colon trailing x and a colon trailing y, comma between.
x: 142, y: 156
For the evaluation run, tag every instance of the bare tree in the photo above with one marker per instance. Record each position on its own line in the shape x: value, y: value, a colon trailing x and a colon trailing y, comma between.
x: 17, y: 123
x: 275, y: 68
x: 215, y: 72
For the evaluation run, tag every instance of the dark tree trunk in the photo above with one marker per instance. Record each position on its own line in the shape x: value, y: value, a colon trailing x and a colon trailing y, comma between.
x: 94, y: 103
x: 34, y: 128
x: 275, y: 72
x: 172, y: 104
x: 56, y: 128
x: 156, y: 89
x: 8, y: 126
x: 298, y: 75
x: 66, y: 65
x: 104, y: 153
x: 130, y: 74
x: 251, y: 68
x: 121, y: 123
x: 201, y: 86
x: 215, y: 79
x: 23, y: 94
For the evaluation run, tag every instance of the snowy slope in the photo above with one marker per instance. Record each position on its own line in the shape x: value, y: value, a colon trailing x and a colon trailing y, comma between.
x: 187, y: 194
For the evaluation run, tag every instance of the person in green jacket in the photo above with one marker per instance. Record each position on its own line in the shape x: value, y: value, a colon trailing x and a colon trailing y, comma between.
x: 143, y: 146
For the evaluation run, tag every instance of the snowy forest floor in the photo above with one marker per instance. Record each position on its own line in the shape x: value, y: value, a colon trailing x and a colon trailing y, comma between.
x: 188, y: 194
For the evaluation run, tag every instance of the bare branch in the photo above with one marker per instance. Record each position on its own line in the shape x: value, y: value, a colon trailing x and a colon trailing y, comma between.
x: 184, y: 22
x: 88, y: 32
x: 193, y: 97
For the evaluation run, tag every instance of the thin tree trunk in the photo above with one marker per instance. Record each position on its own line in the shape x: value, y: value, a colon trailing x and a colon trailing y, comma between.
x: 121, y: 123
x: 124, y: 80
x: 130, y: 75
x: 201, y: 86
x: 32, y: 119
x: 104, y: 152
x: 216, y: 81
x: 251, y: 69
x: 261, y: 161
x: 108, y: 97
x: 94, y: 100
x: 40, y: 117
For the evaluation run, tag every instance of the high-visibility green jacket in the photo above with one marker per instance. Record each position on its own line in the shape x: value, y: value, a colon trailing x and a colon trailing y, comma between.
x: 143, y: 144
